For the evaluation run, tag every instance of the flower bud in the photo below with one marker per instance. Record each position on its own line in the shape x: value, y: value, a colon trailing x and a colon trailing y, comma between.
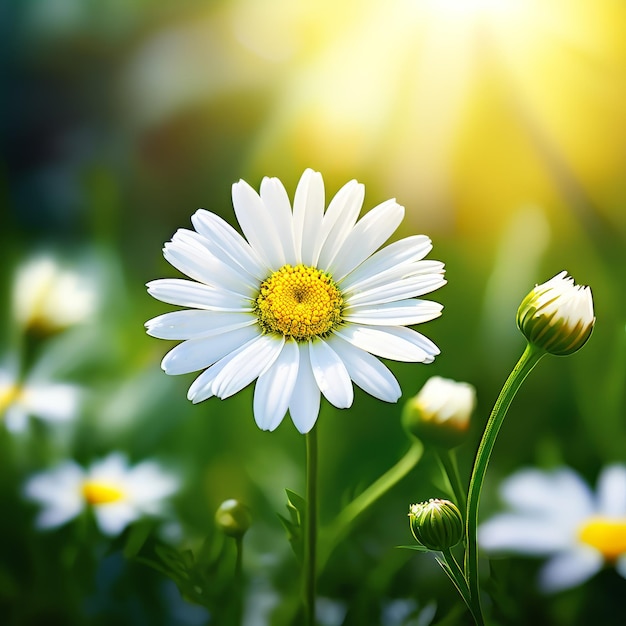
x: 557, y: 316
x: 233, y: 518
x: 436, y: 524
x: 440, y: 413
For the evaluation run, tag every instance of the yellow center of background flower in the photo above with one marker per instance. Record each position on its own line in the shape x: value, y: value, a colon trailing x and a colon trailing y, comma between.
x: 608, y: 536
x: 96, y: 492
x: 299, y: 302
x: 8, y: 396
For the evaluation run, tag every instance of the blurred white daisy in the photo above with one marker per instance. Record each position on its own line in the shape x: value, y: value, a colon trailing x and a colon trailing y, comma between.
x: 36, y: 397
x: 302, y: 305
x: 117, y: 493
x: 48, y: 297
x: 556, y: 514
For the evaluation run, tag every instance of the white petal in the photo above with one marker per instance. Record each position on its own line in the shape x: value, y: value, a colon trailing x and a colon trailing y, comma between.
x: 374, y: 279
x: 277, y: 203
x: 195, y: 261
x: 304, y: 405
x: 257, y: 225
x: 308, y: 210
x: 196, y: 295
x: 366, y: 237
x: 53, y: 485
x: 331, y: 374
x: 367, y: 371
x: 273, y: 390
x: 338, y: 222
x: 148, y: 485
x: 58, y: 514
x: 407, y: 250
x: 612, y: 491
x: 193, y: 324
x: 409, y: 287
x: 243, y: 366
x: 559, y: 495
x: 53, y: 401
x: 390, y: 342
x: 620, y: 565
x: 58, y: 492
x: 569, y: 569
x: 16, y: 418
x: 403, y: 313
x: 196, y: 354
x: 112, y: 468
x: 232, y: 246
x: 112, y: 518
x: 509, y: 532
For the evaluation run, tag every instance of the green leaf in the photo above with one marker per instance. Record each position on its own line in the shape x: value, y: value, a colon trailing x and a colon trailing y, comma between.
x: 137, y: 537
x: 415, y: 547
x: 296, y: 506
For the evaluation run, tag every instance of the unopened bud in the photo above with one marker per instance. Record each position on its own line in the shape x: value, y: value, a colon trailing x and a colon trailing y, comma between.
x: 557, y: 316
x: 233, y: 518
x: 436, y: 524
x: 440, y: 413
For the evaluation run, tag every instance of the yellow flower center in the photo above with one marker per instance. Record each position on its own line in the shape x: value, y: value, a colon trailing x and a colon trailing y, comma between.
x: 608, y: 536
x: 96, y: 492
x: 299, y: 302
x: 9, y: 395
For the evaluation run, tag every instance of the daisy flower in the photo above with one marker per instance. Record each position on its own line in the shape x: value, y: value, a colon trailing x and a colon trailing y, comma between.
x: 116, y: 493
x: 555, y: 514
x: 37, y: 397
x: 303, y: 304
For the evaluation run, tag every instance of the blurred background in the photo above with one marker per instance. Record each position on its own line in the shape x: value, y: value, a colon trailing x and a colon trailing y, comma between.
x: 499, y: 125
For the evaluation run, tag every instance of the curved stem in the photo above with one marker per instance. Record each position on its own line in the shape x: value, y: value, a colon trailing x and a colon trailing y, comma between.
x: 310, y: 527
x: 527, y: 362
x: 342, y: 523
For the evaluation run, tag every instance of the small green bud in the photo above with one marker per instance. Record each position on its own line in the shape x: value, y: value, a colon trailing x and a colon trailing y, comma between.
x: 436, y: 524
x: 233, y: 518
x: 440, y: 413
x: 557, y: 316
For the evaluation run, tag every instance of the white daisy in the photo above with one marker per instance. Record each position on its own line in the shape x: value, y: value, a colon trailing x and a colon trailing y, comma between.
x: 117, y: 494
x: 36, y: 397
x: 556, y: 514
x: 302, y: 305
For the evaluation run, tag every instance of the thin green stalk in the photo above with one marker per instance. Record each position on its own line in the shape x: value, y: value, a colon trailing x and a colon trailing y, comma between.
x: 310, y: 527
x: 342, y: 523
x: 454, y: 571
x: 527, y: 362
x: 447, y: 458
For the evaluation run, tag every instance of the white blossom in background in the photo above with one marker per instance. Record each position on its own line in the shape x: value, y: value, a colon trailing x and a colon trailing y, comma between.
x: 117, y: 493
x: 303, y: 305
x: 36, y: 397
x: 49, y: 297
x: 440, y: 412
x: 556, y: 515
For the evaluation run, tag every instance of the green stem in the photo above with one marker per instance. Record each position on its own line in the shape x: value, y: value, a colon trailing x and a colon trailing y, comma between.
x: 342, y: 523
x: 523, y: 367
x: 310, y: 527
x: 239, y: 559
x: 450, y: 467
x: 455, y: 572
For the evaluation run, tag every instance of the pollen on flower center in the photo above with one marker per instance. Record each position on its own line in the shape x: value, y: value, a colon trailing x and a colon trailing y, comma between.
x: 96, y: 492
x: 9, y: 395
x: 299, y: 302
x: 606, y: 535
